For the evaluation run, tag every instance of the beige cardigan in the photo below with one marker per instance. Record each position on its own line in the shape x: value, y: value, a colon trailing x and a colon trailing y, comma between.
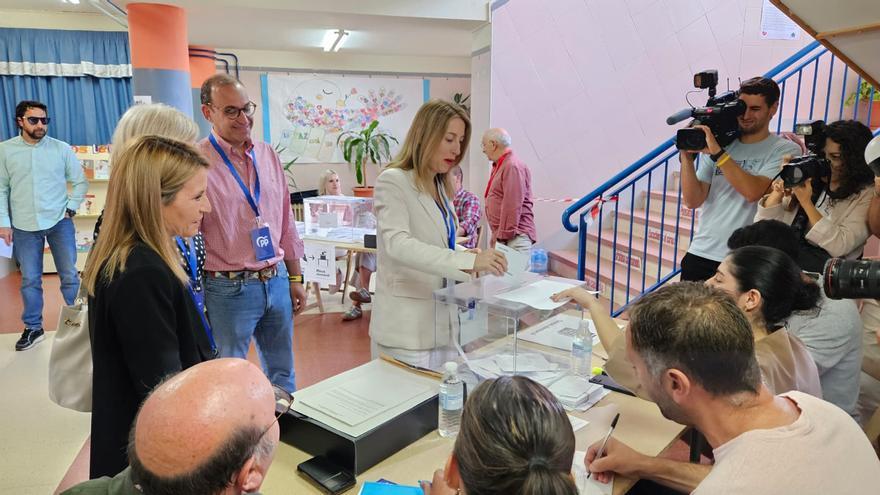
x: 842, y: 233
x: 784, y: 362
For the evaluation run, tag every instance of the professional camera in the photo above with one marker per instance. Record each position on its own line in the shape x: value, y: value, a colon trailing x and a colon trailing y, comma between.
x: 719, y: 115
x: 810, y: 166
x: 872, y: 155
x: 852, y: 279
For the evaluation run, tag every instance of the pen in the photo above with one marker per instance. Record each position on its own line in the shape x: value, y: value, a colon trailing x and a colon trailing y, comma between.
x: 604, y: 441
x: 411, y: 367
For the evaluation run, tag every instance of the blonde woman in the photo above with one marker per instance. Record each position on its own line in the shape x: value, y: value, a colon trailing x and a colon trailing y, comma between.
x: 416, y: 234
x: 142, y: 315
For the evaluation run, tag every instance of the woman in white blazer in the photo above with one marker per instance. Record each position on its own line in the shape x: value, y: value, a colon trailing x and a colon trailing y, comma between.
x: 416, y: 234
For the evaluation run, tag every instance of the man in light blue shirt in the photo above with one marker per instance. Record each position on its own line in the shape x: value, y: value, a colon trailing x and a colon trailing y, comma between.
x: 730, y: 181
x: 35, y: 208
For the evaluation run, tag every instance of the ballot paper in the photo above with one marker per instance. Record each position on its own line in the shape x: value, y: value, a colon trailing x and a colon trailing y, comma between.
x: 557, y: 332
x: 363, y: 398
x: 537, y: 294
x: 576, y: 393
x: 577, y: 423
x: 524, y: 362
x: 517, y: 262
x: 585, y: 485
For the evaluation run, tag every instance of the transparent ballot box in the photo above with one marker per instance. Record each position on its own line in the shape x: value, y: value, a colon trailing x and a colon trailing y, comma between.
x: 485, y: 333
x: 339, y: 218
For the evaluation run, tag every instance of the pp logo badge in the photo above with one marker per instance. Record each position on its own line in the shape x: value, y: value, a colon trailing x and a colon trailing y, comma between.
x: 262, y: 241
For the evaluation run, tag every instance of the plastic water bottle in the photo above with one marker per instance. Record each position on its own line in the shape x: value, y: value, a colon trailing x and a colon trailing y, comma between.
x: 539, y: 261
x: 582, y: 350
x: 451, y: 401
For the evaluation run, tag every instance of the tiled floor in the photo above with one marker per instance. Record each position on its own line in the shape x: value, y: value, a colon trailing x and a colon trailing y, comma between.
x: 42, y: 441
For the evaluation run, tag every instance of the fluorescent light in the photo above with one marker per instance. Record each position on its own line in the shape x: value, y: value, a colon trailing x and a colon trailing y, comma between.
x: 334, y: 39
x: 75, y: 2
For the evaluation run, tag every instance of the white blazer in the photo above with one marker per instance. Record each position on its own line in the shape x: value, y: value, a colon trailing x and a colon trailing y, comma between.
x: 413, y: 257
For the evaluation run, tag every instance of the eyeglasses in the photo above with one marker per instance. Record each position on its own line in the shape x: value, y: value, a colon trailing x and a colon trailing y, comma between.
x: 232, y: 113
x: 283, y: 404
x: 34, y: 120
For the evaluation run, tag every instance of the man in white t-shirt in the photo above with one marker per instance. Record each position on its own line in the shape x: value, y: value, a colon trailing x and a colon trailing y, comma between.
x: 694, y: 353
x: 729, y: 181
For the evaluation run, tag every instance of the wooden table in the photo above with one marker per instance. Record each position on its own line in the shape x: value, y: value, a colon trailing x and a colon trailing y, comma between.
x: 641, y: 426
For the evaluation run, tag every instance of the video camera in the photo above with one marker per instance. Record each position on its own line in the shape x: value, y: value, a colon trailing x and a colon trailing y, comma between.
x: 855, y: 279
x: 719, y: 115
x: 810, y: 166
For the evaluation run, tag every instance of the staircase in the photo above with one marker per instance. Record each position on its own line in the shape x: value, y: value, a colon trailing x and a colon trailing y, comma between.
x: 620, y: 224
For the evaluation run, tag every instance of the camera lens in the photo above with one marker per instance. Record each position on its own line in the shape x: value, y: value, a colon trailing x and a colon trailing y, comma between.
x: 852, y: 279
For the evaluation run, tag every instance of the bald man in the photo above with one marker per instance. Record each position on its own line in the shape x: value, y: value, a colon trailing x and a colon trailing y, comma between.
x: 508, y: 194
x: 210, y: 429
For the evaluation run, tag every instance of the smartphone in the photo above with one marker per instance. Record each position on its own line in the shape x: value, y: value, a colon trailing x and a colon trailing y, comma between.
x: 326, y: 475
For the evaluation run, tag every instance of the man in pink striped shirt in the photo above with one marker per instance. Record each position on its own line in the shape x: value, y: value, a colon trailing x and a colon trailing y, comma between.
x: 508, y: 194
x: 253, y: 279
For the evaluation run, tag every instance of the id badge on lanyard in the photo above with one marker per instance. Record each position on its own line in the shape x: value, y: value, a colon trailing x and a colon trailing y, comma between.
x: 261, y: 237
x: 198, y: 296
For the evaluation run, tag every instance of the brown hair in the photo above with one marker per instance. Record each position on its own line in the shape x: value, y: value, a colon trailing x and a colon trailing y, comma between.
x: 147, y: 175
x: 700, y: 331
x: 515, y: 438
x: 761, y: 86
x: 423, y: 138
x: 215, y: 81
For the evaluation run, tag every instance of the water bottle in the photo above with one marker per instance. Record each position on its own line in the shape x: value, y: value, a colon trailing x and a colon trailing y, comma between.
x: 451, y: 401
x: 582, y: 350
x: 539, y: 261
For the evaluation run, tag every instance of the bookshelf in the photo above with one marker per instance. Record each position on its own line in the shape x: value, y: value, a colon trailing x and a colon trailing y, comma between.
x: 95, y: 161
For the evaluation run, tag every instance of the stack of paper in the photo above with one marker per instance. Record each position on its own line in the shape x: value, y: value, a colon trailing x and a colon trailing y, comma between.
x: 576, y: 393
x: 527, y: 363
x: 585, y: 485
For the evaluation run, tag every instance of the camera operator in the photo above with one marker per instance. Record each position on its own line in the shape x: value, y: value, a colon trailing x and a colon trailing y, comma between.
x: 728, y: 182
x: 828, y: 212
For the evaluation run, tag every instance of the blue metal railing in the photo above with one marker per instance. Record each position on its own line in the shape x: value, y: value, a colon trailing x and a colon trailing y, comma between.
x: 632, y: 232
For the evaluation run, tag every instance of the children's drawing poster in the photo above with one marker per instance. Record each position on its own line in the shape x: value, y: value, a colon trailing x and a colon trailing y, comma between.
x: 307, y: 113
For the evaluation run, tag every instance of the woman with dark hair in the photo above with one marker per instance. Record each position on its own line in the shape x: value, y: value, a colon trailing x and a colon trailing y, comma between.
x: 515, y: 439
x: 829, y: 213
x: 767, y: 286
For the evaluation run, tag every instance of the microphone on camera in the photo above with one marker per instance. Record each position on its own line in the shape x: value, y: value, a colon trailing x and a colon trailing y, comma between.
x: 679, y: 116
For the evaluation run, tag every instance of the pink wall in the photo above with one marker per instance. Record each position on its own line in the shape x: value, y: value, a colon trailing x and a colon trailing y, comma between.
x: 585, y: 86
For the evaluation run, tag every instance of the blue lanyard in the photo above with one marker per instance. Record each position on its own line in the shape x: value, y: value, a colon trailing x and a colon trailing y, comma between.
x: 449, y: 222
x: 253, y: 200
x: 198, y: 298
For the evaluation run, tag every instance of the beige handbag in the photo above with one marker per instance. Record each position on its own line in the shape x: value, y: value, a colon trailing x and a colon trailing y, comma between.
x: 70, y: 363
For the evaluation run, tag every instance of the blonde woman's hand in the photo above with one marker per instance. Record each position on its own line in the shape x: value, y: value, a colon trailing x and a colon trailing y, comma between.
x: 578, y: 294
x: 490, y: 261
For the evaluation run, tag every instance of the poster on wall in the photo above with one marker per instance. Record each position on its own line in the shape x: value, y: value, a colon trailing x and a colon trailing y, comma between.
x: 307, y: 113
x: 777, y: 26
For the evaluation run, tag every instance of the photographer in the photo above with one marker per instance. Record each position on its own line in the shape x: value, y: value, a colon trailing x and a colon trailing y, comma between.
x: 729, y: 181
x: 828, y: 212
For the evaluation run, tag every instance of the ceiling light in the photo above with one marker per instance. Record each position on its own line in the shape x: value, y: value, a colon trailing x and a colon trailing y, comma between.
x: 334, y: 39
x: 75, y: 2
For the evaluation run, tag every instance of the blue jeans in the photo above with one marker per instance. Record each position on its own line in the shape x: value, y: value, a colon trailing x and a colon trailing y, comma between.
x: 28, y: 251
x: 241, y: 309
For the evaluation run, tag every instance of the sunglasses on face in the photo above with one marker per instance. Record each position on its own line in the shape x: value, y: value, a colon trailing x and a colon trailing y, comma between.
x: 283, y: 404
x: 232, y: 113
x: 34, y: 120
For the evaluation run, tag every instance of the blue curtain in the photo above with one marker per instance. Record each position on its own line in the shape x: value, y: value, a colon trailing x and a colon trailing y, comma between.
x: 83, y: 77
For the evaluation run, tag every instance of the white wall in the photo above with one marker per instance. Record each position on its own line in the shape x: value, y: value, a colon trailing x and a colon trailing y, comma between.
x: 585, y: 86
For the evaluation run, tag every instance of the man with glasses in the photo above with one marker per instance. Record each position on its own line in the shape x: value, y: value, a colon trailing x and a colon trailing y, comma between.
x: 210, y: 429
x: 253, y: 279
x: 36, y: 207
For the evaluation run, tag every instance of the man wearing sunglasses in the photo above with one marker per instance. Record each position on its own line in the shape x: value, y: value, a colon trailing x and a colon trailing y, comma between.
x: 210, y: 429
x: 253, y: 278
x: 36, y: 207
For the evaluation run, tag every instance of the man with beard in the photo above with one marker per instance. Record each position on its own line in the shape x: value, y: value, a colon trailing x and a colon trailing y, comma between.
x: 36, y: 207
x: 729, y: 181
x: 694, y: 354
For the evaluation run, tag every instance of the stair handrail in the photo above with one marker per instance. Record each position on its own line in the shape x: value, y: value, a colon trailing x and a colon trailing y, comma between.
x: 596, y: 193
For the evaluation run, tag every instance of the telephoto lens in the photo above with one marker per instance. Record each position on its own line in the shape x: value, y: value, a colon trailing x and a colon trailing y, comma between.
x: 852, y: 279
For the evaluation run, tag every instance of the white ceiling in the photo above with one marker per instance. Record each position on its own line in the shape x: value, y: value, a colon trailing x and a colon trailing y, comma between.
x: 859, y: 18
x: 441, y: 28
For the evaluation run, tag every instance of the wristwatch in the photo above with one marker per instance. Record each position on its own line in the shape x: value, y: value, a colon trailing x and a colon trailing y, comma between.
x: 71, y: 213
x: 718, y: 155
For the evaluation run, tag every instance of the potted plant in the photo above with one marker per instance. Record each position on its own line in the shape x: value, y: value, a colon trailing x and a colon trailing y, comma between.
x: 366, y: 144
x: 865, y: 98
x: 288, y: 172
x: 461, y: 100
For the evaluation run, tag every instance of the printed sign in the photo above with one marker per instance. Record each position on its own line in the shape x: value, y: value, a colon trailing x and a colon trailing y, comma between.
x: 320, y: 263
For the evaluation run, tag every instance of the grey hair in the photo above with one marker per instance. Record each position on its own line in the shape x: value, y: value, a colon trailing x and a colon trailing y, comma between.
x: 499, y: 136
